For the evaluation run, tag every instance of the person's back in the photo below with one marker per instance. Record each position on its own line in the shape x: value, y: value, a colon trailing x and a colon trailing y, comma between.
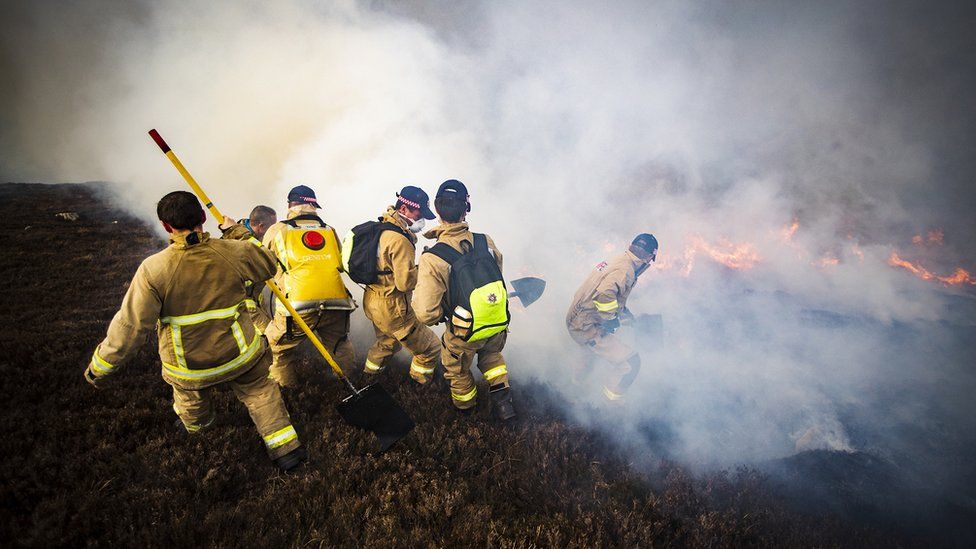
x: 196, y: 293
x: 604, y: 292
x: 312, y: 282
x: 432, y: 305
x: 386, y: 301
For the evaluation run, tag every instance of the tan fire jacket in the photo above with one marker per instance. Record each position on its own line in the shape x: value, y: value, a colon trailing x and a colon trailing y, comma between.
x: 260, y: 315
x: 397, y: 253
x: 196, y: 293
x: 604, y: 293
x: 238, y: 231
x: 434, y: 272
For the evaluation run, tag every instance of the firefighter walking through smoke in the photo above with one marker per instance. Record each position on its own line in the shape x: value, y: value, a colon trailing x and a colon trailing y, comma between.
x: 252, y: 229
x: 460, y: 283
x: 381, y: 255
x: 309, y: 258
x: 599, y: 307
x: 196, y: 293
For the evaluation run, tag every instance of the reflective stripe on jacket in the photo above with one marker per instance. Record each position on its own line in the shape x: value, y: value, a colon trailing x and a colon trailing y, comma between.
x: 196, y: 294
x: 604, y: 293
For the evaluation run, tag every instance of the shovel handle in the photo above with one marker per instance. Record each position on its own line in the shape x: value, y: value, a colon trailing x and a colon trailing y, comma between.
x: 186, y: 175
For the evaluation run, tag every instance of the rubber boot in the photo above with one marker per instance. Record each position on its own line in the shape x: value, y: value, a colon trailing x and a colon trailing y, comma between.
x: 501, y: 400
x: 291, y: 460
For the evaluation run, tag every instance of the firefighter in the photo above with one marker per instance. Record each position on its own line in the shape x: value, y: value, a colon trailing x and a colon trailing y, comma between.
x: 387, y: 301
x: 477, y: 318
x: 195, y: 292
x: 307, y: 251
x: 252, y: 229
x: 599, y: 307
x: 254, y: 226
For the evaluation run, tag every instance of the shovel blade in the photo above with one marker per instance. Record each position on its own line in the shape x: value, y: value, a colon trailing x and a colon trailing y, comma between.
x: 528, y: 289
x: 374, y: 410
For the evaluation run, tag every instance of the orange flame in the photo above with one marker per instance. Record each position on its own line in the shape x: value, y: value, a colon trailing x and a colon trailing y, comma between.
x: 790, y: 230
x: 734, y: 256
x: 958, y: 278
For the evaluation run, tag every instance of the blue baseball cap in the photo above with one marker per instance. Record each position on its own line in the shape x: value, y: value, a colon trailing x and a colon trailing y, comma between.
x: 303, y: 194
x: 416, y: 198
x: 453, y: 188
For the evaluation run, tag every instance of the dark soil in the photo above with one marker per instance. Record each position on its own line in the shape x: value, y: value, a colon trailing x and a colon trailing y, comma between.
x: 107, y: 467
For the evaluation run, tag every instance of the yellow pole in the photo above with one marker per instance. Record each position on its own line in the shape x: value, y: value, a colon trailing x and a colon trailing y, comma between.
x: 270, y: 282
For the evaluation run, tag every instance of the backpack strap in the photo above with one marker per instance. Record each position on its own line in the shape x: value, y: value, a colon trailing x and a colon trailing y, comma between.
x: 445, y: 252
x: 481, y: 243
x: 293, y: 222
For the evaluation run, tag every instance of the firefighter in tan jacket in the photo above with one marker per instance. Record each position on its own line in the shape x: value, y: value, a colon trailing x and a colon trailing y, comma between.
x: 196, y: 294
x: 251, y: 229
x: 307, y: 251
x: 387, y: 302
x: 598, y: 308
x: 432, y: 295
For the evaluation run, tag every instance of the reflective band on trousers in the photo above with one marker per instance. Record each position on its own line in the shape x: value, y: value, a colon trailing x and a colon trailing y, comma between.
x: 606, y: 307
x: 420, y: 369
x: 101, y: 365
x: 612, y: 395
x: 497, y: 371
x: 182, y: 372
x: 372, y: 366
x: 280, y: 437
x: 465, y: 397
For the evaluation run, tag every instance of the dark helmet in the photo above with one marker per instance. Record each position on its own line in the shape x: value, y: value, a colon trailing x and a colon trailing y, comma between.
x: 644, y: 246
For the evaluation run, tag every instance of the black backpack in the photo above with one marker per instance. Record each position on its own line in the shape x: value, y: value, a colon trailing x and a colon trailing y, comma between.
x: 477, y: 301
x: 360, y: 251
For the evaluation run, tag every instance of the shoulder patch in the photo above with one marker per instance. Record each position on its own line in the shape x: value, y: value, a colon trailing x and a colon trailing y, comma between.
x: 601, y: 266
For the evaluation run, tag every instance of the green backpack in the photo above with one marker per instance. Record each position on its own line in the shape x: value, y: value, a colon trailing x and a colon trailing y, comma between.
x: 477, y: 301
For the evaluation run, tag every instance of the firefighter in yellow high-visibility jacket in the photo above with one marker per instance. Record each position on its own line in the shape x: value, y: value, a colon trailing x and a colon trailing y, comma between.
x: 307, y: 250
x: 196, y: 292
x: 599, y: 306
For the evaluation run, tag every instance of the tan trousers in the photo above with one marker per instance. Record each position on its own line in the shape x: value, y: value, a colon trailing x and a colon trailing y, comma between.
x: 457, y: 356
x: 624, y: 361
x: 396, y: 326
x: 262, y: 398
x: 332, y: 329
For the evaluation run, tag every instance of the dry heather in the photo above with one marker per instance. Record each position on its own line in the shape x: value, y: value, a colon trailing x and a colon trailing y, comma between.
x: 107, y: 467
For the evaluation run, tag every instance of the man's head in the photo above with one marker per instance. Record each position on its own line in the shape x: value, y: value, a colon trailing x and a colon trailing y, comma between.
x: 452, y: 202
x: 302, y: 195
x: 644, y: 247
x: 261, y: 218
x: 413, y: 204
x: 180, y: 211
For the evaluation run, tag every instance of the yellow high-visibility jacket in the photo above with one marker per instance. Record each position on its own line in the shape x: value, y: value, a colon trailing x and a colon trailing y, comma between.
x: 604, y: 293
x: 197, y: 293
x: 434, y: 273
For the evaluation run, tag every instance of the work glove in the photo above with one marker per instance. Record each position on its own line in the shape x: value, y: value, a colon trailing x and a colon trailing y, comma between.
x: 227, y: 223
x: 90, y: 377
x: 610, y: 326
x: 626, y: 317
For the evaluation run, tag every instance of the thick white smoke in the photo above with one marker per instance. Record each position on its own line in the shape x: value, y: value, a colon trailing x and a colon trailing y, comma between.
x: 576, y: 126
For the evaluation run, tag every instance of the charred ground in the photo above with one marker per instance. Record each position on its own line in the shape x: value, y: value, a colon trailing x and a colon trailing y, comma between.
x: 107, y: 467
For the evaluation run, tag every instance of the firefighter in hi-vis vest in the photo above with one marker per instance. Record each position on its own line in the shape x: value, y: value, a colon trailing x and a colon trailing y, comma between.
x: 252, y: 229
x: 598, y: 308
x: 309, y: 274
x: 460, y: 283
x: 386, y: 302
x: 196, y: 294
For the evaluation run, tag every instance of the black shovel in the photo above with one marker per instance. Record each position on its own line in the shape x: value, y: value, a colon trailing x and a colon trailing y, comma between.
x: 527, y: 289
x: 371, y: 408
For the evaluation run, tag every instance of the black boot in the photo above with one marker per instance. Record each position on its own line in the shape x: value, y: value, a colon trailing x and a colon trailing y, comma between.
x: 501, y: 400
x: 291, y: 460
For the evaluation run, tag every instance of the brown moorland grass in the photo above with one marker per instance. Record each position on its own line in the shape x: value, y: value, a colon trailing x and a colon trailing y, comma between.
x: 107, y: 467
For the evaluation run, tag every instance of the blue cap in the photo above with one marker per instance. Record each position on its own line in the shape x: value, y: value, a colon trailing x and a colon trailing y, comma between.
x: 416, y: 198
x: 452, y: 188
x: 303, y: 194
